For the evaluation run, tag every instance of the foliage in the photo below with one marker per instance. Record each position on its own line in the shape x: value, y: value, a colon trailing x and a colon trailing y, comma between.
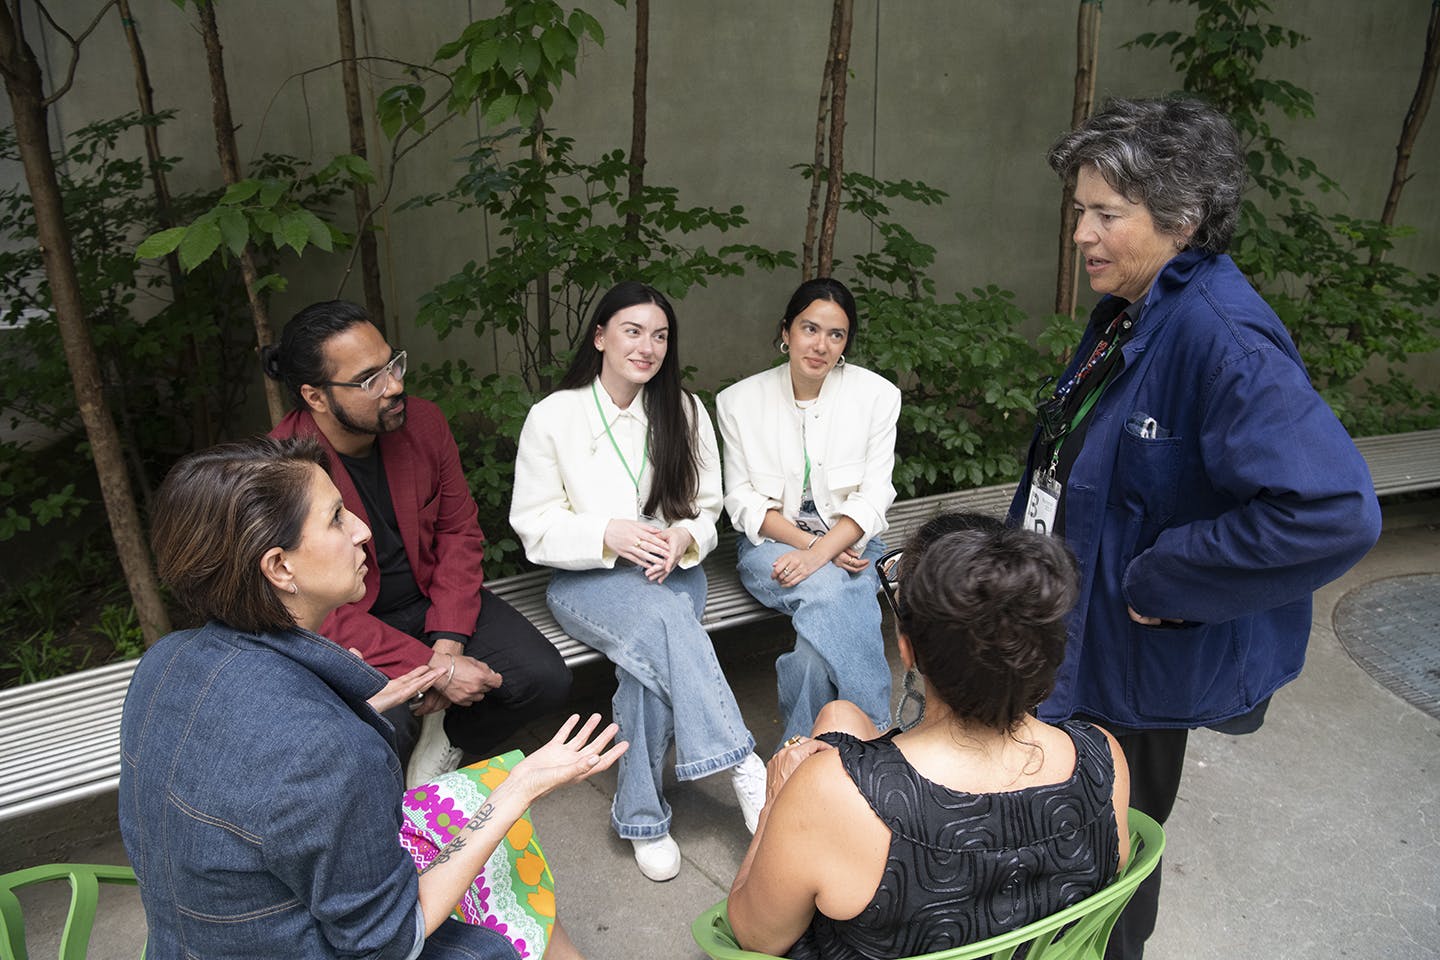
x: 1351, y: 312
x: 164, y: 355
x: 271, y: 211
x: 967, y: 374
x: 48, y: 606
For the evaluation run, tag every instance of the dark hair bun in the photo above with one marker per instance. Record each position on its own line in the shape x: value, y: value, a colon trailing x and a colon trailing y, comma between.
x: 270, y: 361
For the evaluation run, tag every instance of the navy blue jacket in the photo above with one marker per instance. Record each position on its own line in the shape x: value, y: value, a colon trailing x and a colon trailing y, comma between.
x: 1249, y: 497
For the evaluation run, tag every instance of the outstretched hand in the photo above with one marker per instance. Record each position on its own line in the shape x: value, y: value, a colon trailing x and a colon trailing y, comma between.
x: 570, y: 757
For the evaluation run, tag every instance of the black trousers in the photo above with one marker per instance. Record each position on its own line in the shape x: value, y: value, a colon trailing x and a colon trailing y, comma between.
x: 1156, y: 759
x: 535, y: 680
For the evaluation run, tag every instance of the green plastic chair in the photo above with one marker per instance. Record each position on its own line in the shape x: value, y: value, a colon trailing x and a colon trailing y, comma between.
x: 85, y: 880
x: 1089, y: 922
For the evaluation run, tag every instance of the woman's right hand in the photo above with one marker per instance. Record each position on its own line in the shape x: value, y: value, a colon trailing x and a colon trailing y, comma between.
x: 786, y: 761
x: 637, y: 542
x: 567, y: 759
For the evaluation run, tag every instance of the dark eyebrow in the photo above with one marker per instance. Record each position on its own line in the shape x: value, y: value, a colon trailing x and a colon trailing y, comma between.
x: 371, y: 371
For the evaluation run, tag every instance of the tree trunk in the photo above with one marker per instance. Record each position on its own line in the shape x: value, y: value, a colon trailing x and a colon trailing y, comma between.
x: 544, y: 325
x: 1087, y: 49
x: 839, y: 70
x: 817, y: 165
x: 202, y: 424
x: 1415, y: 116
x: 22, y: 83
x: 229, y: 155
x: 369, y: 251
x: 638, y: 113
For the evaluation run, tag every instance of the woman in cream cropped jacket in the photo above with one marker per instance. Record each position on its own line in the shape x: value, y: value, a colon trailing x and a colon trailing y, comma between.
x: 617, y: 486
x: 809, y: 449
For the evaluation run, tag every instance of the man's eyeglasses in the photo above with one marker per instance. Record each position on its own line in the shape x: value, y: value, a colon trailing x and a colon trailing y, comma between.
x: 888, y: 566
x: 374, y: 385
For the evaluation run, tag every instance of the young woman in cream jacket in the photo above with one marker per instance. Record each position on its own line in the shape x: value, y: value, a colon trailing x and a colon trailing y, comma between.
x: 617, y: 486
x: 809, y: 449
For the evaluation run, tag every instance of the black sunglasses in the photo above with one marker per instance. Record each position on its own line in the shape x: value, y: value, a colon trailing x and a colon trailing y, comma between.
x: 888, y: 566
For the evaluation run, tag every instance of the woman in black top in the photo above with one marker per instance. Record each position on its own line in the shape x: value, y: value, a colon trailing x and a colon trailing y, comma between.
x: 976, y: 821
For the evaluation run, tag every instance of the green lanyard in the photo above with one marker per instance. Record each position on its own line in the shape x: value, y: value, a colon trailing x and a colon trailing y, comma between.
x: 644, y: 454
x: 1080, y: 414
x: 806, y: 484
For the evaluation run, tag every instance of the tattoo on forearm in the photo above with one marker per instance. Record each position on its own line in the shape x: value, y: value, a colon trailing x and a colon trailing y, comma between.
x: 482, y: 816
x: 451, y: 848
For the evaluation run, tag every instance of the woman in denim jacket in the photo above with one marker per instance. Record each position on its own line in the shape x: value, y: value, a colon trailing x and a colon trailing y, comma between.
x: 259, y: 788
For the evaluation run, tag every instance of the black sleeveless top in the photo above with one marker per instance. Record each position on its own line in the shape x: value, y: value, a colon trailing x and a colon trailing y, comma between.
x: 965, y: 867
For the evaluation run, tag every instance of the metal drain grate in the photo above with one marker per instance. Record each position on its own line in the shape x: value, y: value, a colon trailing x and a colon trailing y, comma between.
x: 1391, y: 628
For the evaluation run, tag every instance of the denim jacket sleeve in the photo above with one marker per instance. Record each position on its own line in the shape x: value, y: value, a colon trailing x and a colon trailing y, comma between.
x: 1304, y: 512
x: 335, y: 842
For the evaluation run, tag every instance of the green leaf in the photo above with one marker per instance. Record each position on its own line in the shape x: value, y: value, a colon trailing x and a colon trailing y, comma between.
x: 240, y: 192
x: 483, y: 55
x: 159, y: 244
x: 555, y: 42
x: 270, y: 192
x: 200, y: 241
x: 234, y: 229
x: 530, y: 58
x: 502, y: 108
x: 295, y: 231
x: 318, y: 233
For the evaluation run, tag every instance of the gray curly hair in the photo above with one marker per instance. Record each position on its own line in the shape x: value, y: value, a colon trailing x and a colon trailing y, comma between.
x: 1180, y: 158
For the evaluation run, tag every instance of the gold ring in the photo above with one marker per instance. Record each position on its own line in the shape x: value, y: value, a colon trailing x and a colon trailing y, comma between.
x: 792, y: 741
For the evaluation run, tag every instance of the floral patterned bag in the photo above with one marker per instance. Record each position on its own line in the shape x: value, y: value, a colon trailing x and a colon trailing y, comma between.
x: 515, y: 893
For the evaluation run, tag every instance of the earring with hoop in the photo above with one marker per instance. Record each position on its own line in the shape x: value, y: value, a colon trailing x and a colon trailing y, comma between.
x: 784, y: 347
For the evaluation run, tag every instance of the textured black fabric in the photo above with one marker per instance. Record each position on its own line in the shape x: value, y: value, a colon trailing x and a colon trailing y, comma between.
x: 964, y: 867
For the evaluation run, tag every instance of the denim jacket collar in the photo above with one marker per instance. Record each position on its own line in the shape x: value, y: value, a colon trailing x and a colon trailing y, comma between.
x: 352, y: 679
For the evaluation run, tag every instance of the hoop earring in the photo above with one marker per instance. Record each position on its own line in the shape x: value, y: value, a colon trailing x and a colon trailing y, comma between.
x: 914, y: 695
x: 841, y: 361
x: 784, y: 347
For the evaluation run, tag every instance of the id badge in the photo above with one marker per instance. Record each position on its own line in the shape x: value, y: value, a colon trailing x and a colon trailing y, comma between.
x: 1044, y: 502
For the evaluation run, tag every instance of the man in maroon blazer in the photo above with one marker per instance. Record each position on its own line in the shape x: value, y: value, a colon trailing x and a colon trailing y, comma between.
x: 396, y: 465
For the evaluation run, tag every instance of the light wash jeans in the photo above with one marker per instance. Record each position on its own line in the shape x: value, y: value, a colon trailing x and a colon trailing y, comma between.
x: 671, y: 686
x: 839, y: 651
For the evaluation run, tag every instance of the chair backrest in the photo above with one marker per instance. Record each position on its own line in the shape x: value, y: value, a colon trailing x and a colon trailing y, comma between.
x: 1079, y: 932
x: 85, y: 880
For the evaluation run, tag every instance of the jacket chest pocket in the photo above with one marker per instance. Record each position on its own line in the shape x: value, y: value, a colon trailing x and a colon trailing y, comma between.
x: 1146, y: 484
x: 845, y: 479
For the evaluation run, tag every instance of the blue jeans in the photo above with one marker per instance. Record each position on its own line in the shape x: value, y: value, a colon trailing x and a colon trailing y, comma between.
x: 671, y: 686
x: 839, y: 650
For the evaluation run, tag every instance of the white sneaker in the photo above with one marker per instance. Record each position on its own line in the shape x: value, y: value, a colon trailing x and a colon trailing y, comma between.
x: 657, y: 857
x: 434, y: 753
x: 748, y: 778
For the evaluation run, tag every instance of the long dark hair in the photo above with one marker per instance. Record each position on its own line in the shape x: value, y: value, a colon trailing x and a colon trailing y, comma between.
x: 674, y: 452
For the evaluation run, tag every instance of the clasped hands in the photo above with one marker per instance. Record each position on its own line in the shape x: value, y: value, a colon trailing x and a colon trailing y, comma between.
x: 654, y: 550
x: 469, y: 683
x: 792, y: 568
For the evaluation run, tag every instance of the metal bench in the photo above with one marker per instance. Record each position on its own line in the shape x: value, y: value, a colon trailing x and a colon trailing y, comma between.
x: 59, y: 739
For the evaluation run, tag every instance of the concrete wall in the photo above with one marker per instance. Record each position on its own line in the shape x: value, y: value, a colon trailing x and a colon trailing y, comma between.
x: 963, y: 95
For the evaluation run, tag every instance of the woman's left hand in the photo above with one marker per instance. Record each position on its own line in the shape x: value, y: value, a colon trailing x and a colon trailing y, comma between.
x: 792, y: 568
x: 677, y: 541
x: 566, y: 758
x: 850, y: 561
x: 403, y: 688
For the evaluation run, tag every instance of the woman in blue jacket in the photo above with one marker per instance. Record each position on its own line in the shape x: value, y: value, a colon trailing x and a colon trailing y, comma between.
x: 1204, y: 486
x: 260, y: 793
